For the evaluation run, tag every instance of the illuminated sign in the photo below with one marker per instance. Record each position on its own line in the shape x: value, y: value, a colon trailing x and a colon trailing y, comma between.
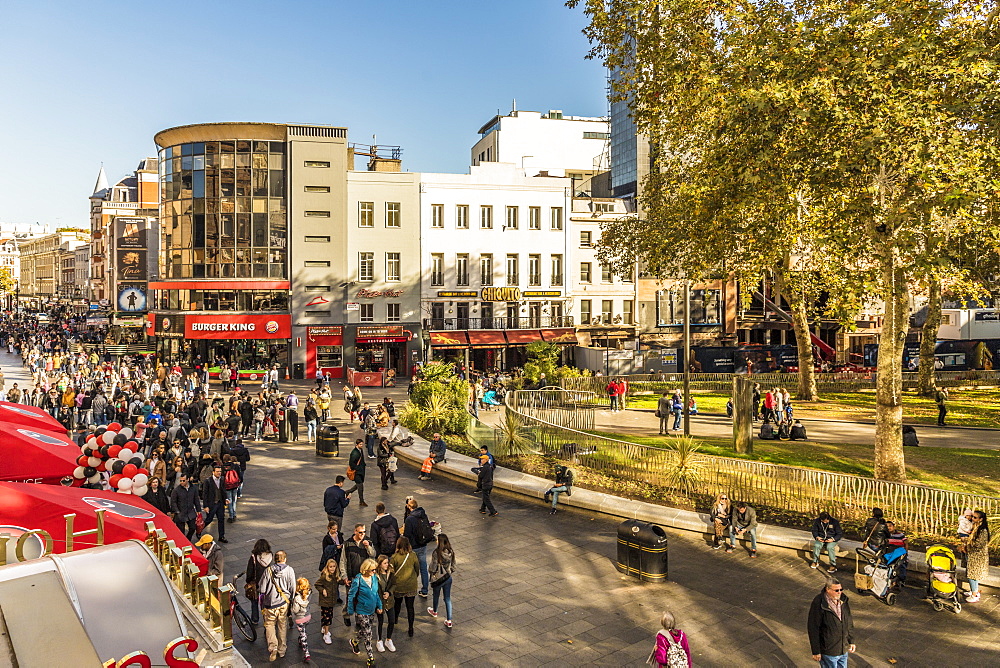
x: 501, y: 294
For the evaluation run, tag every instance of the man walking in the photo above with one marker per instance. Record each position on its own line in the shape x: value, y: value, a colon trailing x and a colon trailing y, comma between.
x: 357, y: 548
x: 485, y: 472
x: 356, y: 463
x: 417, y: 529
x: 185, y: 505
x: 335, y: 501
x: 664, y: 408
x: 277, y: 586
x: 831, y: 627
x: 940, y: 397
x: 292, y: 415
x: 213, y: 495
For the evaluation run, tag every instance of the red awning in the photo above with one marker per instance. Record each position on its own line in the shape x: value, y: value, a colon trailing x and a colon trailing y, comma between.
x: 29, y: 454
x: 30, y: 417
x: 481, y: 339
x: 43, y: 506
x: 520, y: 337
x: 449, y: 340
x: 565, y: 335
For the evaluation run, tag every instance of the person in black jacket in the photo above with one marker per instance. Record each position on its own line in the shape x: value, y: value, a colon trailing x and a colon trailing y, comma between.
x: 876, y: 533
x: 185, y: 505
x: 156, y: 496
x: 826, y: 532
x: 356, y: 461
x: 336, y: 500
x: 485, y: 472
x: 831, y: 627
x: 413, y: 517
x: 213, y: 495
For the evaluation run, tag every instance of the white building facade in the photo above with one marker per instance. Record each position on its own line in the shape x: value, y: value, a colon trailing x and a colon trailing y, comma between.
x: 494, y: 264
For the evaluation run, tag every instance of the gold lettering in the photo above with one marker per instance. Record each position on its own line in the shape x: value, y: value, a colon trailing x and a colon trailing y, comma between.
x: 70, y: 534
x: 4, y: 537
x: 23, y: 538
x: 226, y: 592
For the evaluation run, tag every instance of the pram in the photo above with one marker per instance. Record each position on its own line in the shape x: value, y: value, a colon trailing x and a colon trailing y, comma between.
x: 942, y: 579
x: 876, y: 573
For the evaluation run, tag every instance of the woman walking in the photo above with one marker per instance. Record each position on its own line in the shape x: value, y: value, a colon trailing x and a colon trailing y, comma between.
x: 328, y: 586
x: 977, y: 554
x: 403, y: 585
x: 671, y: 645
x: 364, y: 602
x: 442, y: 566
x: 384, y: 573
x: 300, y: 614
x: 382, y: 460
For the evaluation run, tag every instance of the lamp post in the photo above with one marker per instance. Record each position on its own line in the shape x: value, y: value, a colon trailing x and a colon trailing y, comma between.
x: 687, y: 357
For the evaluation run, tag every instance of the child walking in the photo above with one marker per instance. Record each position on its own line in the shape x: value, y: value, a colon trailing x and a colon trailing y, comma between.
x: 327, y: 584
x: 671, y: 650
x: 300, y: 614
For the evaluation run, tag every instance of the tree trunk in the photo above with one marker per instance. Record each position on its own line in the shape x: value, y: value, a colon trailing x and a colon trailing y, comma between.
x: 803, y: 341
x: 889, y: 461
x: 743, y: 414
x: 928, y: 338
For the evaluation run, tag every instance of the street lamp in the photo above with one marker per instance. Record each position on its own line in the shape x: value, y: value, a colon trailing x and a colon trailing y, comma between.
x: 687, y: 357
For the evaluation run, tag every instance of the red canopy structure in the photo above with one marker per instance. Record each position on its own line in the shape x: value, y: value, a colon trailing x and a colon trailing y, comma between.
x: 29, y: 416
x: 26, y: 507
x: 31, y: 455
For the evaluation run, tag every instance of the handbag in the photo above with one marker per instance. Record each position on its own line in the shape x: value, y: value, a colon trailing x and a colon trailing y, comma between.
x: 350, y: 473
x: 658, y: 414
x: 863, y: 581
x: 199, y: 522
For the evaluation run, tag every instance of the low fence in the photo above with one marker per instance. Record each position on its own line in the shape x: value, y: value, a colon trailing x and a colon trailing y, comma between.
x: 657, y: 383
x: 574, y: 410
x: 916, y: 508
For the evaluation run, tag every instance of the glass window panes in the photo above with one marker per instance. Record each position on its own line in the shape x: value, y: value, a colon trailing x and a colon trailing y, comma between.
x: 437, y: 215
x: 392, y: 267
x: 392, y: 214
x: 437, y: 269
x: 486, y: 217
x: 512, y: 213
x: 392, y: 312
x: 556, y: 218
x: 585, y: 276
x: 462, y: 269
x: 366, y: 266
x: 367, y: 312
x: 486, y: 269
x: 462, y: 216
x: 513, y: 276
x: 534, y: 218
x: 366, y: 214
x: 586, y: 311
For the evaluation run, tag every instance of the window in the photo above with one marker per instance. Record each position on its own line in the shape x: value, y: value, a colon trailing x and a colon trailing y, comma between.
x: 706, y: 307
x: 317, y: 163
x: 486, y: 269
x: 512, y: 217
x: 317, y: 240
x: 437, y: 215
x: 316, y: 263
x: 627, y: 307
x: 317, y: 189
x: 366, y: 214
x: 606, y: 275
x: 628, y: 277
x: 437, y: 311
x: 462, y: 269
x: 585, y: 276
x: 603, y: 207
x: 317, y: 214
x: 534, y: 270
x: 586, y: 311
x: 556, y: 218
x: 392, y: 214
x: 317, y: 288
x: 586, y: 239
x: 607, y: 311
x: 392, y: 313
x: 486, y: 217
x: 462, y: 216
x: 534, y: 217
x: 512, y: 270
x: 946, y: 319
x: 557, y: 270
x: 392, y: 267
x: 366, y: 267
x: 597, y: 135
x: 437, y: 269
x: 367, y: 312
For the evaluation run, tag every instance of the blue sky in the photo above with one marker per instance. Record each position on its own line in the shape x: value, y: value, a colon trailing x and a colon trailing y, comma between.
x: 91, y: 82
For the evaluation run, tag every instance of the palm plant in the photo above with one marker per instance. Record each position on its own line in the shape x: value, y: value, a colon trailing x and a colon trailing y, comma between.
x: 685, y: 466
x: 511, y: 440
x: 436, y: 414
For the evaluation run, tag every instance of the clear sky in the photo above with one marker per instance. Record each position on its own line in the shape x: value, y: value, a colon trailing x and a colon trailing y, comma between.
x: 90, y: 82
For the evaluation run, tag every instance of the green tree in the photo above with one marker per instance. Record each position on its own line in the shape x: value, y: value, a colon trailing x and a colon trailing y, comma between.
x: 880, y: 111
x: 7, y: 281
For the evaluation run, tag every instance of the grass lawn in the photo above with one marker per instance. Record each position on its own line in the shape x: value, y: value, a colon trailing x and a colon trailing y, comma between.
x: 969, y: 408
x: 972, y: 471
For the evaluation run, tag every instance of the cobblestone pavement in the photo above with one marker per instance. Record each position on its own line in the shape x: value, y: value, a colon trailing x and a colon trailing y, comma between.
x: 538, y: 590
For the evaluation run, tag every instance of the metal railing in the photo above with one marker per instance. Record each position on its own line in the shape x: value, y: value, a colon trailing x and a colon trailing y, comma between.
x: 916, y: 508
x: 555, y: 405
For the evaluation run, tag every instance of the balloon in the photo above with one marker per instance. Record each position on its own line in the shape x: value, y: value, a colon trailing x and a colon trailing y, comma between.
x: 102, y: 467
x: 120, y: 439
x: 108, y: 437
x: 94, y: 462
x: 125, y: 431
x: 94, y: 479
x: 136, y: 461
x: 114, y: 451
x: 91, y: 437
x: 125, y: 483
x: 100, y: 431
x: 130, y: 470
x: 118, y: 466
x: 140, y: 479
x: 78, y: 473
x: 141, y: 457
x: 113, y: 481
x: 125, y: 491
x: 132, y: 445
x: 83, y: 460
x: 114, y: 426
x: 143, y: 471
x: 140, y: 491
x: 125, y: 454
x: 89, y: 472
x: 104, y: 450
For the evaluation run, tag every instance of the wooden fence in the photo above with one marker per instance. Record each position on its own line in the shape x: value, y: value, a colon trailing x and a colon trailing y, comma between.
x: 850, y: 498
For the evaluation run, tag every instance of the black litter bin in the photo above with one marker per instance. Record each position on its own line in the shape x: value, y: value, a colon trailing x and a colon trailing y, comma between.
x: 328, y: 441
x: 298, y: 371
x: 642, y: 551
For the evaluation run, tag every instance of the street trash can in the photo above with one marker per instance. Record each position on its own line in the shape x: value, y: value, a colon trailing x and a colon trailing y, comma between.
x: 283, y: 430
x: 328, y: 441
x: 298, y: 371
x: 642, y: 551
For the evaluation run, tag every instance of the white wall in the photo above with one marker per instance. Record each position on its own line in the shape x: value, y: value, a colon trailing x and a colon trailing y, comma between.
x: 544, y: 144
x: 962, y: 324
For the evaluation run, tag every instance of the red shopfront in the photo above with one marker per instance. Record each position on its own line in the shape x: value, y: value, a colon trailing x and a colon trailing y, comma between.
x: 380, y: 354
x: 325, y: 350
x: 251, y: 342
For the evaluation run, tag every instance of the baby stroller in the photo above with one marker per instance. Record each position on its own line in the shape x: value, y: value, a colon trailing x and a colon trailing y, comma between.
x: 942, y: 579
x: 876, y: 573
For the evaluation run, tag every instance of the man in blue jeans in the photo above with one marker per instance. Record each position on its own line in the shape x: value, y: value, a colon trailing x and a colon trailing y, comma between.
x: 414, y: 517
x: 831, y: 627
x: 743, y: 521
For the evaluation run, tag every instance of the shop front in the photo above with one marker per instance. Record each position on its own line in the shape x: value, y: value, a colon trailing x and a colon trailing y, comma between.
x: 325, y: 351
x: 254, y: 343
x: 381, y: 355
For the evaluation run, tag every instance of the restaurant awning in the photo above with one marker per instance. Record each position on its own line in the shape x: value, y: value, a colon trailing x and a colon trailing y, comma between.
x: 521, y: 337
x: 449, y: 340
x: 481, y: 339
x: 565, y: 335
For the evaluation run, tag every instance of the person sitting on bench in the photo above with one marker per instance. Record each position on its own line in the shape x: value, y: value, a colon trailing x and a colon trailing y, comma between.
x: 564, y: 484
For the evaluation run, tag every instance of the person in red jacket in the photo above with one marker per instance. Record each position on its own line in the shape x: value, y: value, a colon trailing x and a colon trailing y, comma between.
x: 612, y: 390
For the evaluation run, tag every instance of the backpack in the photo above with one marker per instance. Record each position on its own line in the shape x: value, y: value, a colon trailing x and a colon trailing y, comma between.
x: 231, y: 480
x: 425, y: 533
x: 387, y: 537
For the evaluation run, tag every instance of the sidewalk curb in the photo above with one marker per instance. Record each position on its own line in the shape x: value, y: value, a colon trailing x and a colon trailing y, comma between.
x: 458, y: 466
